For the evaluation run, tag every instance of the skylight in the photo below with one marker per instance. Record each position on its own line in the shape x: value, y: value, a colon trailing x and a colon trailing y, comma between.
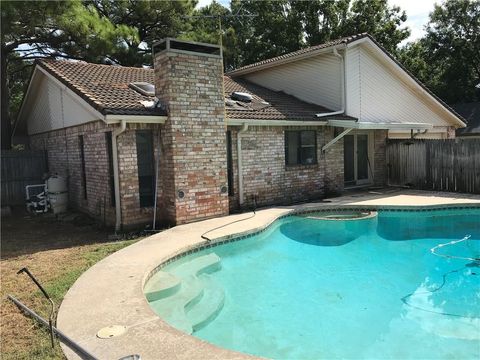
x: 143, y: 88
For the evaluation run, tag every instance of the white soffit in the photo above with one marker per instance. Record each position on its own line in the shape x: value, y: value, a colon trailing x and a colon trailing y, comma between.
x: 378, y: 126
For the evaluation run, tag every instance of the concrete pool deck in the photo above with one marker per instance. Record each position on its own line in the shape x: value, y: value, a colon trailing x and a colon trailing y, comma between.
x: 111, y: 291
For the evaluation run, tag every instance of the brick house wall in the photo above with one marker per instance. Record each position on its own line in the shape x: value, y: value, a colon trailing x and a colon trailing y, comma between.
x: 64, y: 159
x: 265, y: 174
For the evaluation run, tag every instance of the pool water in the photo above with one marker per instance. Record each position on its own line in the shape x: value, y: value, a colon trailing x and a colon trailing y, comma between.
x: 366, y: 289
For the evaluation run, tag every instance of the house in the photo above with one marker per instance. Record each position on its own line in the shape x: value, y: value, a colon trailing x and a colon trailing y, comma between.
x: 190, y: 143
x: 471, y: 113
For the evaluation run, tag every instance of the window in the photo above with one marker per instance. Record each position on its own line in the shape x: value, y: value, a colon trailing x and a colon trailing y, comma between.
x: 229, y: 164
x: 146, y: 177
x: 108, y: 141
x: 300, y: 147
x: 82, y: 161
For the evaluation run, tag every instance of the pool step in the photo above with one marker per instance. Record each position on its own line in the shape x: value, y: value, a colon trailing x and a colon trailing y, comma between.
x: 172, y: 308
x: 161, y: 284
x: 187, y: 297
x: 200, y: 265
x: 209, y: 306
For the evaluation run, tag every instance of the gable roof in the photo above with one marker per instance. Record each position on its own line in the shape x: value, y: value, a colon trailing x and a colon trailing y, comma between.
x: 105, y: 88
x: 471, y: 113
x: 317, y: 49
x: 312, y: 50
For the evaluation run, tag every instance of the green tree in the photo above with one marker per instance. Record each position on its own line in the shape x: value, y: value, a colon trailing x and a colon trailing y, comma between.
x: 379, y: 20
x: 288, y: 25
x: 65, y: 29
x: 447, y: 58
x: 154, y: 20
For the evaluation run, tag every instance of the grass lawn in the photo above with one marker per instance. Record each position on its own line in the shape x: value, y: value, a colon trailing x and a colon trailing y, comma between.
x: 56, y: 253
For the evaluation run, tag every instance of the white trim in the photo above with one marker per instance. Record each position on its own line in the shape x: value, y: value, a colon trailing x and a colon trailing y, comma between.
x: 307, y: 55
x: 378, y: 126
x: 406, y: 77
x: 27, y: 94
x: 253, y: 122
x: 97, y: 114
x: 135, y: 119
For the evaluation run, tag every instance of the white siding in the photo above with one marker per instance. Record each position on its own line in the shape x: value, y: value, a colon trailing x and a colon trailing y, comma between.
x: 352, y: 82
x: 316, y: 80
x: 52, y: 108
x: 382, y: 95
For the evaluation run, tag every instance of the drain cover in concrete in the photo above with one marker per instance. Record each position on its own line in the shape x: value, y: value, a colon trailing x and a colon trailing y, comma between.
x: 111, y: 331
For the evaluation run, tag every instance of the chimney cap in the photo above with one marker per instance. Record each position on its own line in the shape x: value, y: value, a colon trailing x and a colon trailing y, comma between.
x: 176, y: 45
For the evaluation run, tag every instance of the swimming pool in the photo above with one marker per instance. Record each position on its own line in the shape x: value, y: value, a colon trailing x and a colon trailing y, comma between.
x: 310, y: 288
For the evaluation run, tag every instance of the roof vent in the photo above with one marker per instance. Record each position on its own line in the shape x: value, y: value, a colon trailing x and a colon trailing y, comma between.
x: 241, y: 96
x: 143, y: 88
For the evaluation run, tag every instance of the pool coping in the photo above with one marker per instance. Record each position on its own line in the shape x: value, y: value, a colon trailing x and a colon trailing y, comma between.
x: 111, y: 291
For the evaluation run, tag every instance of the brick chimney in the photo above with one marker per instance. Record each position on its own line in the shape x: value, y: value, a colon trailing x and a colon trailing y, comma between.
x: 189, y: 82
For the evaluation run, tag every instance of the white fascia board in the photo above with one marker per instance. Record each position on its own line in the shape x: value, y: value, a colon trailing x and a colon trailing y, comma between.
x: 253, y: 122
x: 97, y: 114
x: 406, y: 77
x: 307, y: 55
x: 378, y: 126
x: 135, y: 119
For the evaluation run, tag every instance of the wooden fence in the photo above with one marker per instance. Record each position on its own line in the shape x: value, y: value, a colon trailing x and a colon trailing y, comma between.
x: 19, y: 169
x: 442, y: 165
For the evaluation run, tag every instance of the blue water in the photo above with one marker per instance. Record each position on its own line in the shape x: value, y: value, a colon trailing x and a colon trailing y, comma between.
x: 365, y: 289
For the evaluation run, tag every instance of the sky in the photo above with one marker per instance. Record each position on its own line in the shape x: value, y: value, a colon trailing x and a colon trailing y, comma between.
x: 417, y: 13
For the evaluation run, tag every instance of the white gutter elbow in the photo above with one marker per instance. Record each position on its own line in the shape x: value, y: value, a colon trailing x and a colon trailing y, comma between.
x: 116, y: 174
x: 342, y: 110
x: 239, y: 158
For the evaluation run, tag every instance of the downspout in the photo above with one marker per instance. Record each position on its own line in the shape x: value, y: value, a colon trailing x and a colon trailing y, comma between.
x: 239, y: 158
x: 344, y: 96
x: 116, y: 174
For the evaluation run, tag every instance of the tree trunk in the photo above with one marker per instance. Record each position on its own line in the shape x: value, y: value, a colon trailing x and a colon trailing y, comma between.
x: 6, y: 126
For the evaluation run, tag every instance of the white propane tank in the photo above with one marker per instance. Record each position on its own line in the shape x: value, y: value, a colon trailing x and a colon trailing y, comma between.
x: 57, y: 193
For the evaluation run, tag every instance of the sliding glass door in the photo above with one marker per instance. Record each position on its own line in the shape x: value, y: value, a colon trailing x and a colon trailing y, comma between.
x: 357, y: 150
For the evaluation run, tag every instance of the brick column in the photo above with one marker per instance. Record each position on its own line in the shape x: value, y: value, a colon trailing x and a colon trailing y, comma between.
x: 188, y: 81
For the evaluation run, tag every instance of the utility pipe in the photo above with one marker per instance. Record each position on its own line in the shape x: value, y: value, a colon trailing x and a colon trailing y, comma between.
x: 79, y: 350
x: 116, y: 174
x: 239, y: 157
x: 344, y: 96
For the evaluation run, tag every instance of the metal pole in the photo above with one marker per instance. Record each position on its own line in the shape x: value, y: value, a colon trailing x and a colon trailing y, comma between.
x: 52, y: 310
x: 84, y: 354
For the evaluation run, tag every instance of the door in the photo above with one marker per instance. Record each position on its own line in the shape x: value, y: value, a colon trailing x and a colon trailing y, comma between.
x: 356, y: 159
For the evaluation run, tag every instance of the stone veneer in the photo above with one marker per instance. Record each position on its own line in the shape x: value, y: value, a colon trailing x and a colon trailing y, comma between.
x: 193, y: 137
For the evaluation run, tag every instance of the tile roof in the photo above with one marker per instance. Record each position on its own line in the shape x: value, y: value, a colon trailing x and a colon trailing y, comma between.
x: 283, y: 106
x: 105, y: 87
